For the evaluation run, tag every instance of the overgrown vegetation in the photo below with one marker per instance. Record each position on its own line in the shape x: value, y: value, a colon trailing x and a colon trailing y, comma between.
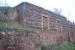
x: 70, y: 46
x: 13, y: 25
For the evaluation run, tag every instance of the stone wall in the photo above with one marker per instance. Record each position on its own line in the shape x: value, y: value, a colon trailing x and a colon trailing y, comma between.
x: 47, y: 28
x: 19, y: 40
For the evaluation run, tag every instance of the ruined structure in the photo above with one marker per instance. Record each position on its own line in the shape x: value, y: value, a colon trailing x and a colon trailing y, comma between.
x: 28, y: 27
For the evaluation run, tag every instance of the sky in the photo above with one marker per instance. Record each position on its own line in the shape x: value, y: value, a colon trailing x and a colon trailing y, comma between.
x: 67, y: 6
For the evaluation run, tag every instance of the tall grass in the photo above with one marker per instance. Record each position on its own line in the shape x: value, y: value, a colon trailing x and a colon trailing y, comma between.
x: 70, y: 46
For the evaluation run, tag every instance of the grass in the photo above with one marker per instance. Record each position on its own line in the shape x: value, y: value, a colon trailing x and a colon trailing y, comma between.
x: 13, y: 25
x: 70, y: 46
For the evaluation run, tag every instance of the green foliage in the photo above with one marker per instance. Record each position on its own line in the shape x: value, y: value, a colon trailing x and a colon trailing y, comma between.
x: 13, y: 25
x: 70, y: 46
x: 57, y: 10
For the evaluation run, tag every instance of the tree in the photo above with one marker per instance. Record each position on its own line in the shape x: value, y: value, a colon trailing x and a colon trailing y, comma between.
x: 57, y: 10
x: 3, y: 3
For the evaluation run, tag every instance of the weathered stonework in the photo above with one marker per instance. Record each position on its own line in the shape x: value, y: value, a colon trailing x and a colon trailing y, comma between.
x: 46, y: 28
